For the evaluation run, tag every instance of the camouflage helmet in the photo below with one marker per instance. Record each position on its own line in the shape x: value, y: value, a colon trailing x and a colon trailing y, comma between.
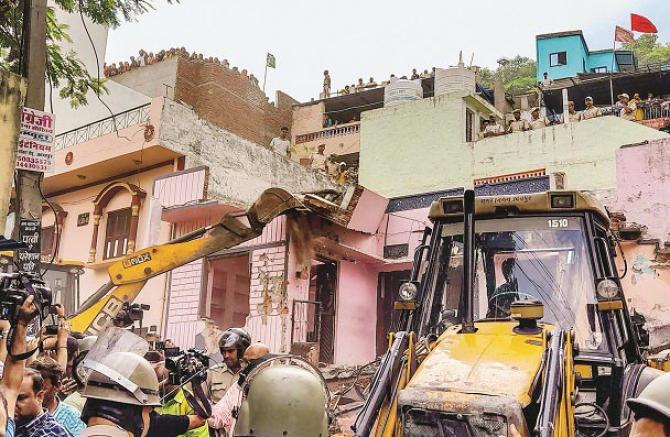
x: 123, y: 377
x: 283, y: 400
x: 654, y: 398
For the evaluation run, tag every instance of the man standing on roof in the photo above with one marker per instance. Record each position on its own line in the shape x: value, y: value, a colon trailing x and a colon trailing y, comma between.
x: 546, y: 81
x: 326, y: 84
x: 518, y: 124
x: 282, y: 143
x: 536, y: 121
x: 493, y: 128
x: 590, y: 111
x: 628, y: 107
x: 573, y: 116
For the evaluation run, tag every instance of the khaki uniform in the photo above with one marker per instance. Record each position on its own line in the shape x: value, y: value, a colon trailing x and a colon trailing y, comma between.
x: 629, y: 115
x: 540, y: 123
x: 574, y: 117
x: 591, y: 112
x: 219, y: 381
x: 518, y: 126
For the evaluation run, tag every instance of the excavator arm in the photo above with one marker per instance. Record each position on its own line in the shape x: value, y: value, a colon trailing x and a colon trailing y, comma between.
x: 128, y: 276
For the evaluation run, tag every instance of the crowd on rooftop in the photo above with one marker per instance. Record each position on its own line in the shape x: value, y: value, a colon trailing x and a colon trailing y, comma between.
x: 625, y: 108
x: 361, y: 85
x: 148, y: 58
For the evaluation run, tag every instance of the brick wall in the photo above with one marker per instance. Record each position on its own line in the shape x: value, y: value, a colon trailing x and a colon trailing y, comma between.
x: 228, y: 100
x: 185, y: 287
x: 269, y: 318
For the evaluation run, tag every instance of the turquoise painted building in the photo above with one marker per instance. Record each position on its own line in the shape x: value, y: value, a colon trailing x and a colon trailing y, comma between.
x: 566, y: 54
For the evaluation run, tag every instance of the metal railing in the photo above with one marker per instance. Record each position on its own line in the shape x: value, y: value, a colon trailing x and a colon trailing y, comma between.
x: 651, y: 110
x: 122, y: 120
x: 335, y: 131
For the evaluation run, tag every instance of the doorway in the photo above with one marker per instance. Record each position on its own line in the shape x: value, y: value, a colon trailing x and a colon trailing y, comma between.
x: 323, y: 289
x: 228, y: 291
x: 387, y: 316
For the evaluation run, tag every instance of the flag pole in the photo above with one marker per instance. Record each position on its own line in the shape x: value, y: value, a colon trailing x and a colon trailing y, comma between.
x: 612, y: 70
x: 265, y: 75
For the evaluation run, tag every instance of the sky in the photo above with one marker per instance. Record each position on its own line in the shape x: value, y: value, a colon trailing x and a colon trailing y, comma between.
x: 363, y: 38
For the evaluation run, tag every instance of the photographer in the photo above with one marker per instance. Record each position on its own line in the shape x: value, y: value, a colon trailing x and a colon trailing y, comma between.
x: 13, y: 368
x: 175, y: 402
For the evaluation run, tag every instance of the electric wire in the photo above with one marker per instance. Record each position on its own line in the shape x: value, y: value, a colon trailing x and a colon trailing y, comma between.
x: 57, y: 232
x: 97, y: 71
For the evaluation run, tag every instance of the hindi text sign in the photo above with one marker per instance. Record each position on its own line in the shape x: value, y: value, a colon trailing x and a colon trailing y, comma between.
x: 36, y: 141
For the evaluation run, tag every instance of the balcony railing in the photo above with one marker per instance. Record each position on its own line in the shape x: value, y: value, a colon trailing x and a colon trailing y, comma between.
x: 336, y: 131
x: 122, y: 120
x: 657, y: 108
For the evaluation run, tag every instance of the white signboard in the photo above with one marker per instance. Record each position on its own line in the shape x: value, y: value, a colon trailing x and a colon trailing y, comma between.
x: 35, y: 151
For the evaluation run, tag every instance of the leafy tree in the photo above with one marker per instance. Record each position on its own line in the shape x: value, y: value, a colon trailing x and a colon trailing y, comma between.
x: 648, y: 50
x: 64, y: 70
x: 517, y: 74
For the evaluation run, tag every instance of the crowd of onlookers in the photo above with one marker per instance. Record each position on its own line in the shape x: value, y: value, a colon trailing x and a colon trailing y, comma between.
x: 362, y: 85
x: 148, y: 58
x: 318, y: 160
x: 625, y: 108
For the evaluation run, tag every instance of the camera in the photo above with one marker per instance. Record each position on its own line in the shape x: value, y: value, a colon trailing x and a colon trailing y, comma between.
x: 184, y: 366
x: 129, y: 314
x: 14, y: 290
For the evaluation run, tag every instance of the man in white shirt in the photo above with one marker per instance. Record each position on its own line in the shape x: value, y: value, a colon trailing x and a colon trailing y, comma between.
x: 222, y: 416
x: 282, y: 144
x: 493, y: 128
x: 319, y: 159
x: 546, y: 81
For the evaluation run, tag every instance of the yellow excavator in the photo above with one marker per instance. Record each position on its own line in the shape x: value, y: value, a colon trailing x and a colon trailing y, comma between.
x: 514, y: 315
x: 128, y: 276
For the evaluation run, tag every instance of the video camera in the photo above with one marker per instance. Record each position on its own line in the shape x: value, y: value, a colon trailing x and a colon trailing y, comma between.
x: 190, y: 365
x: 14, y: 290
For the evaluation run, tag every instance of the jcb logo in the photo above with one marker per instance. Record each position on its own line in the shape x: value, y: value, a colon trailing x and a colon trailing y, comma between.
x: 105, y: 316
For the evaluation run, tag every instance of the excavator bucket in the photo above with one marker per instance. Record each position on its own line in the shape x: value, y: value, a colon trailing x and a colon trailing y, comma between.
x: 272, y: 203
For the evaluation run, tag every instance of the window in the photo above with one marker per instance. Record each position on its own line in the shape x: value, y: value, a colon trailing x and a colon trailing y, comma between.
x: 557, y: 59
x: 469, y: 125
x: 47, y: 243
x: 599, y: 70
x: 118, y: 230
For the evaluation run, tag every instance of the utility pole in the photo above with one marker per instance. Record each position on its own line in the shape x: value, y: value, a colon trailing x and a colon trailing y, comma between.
x: 33, y: 67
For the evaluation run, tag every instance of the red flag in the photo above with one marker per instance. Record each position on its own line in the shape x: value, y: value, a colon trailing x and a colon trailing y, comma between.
x: 623, y: 35
x: 642, y: 24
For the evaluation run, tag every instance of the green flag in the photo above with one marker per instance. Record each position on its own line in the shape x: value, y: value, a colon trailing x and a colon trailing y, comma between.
x: 271, y: 61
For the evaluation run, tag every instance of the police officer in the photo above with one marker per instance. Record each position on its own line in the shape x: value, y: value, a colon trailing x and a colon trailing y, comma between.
x: 652, y: 409
x: 232, y: 344
x: 272, y: 408
x: 120, y: 393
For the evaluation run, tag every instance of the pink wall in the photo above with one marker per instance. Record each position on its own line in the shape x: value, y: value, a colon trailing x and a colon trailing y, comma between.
x: 356, y: 317
x: 368, y: 212
x: 643, y: 186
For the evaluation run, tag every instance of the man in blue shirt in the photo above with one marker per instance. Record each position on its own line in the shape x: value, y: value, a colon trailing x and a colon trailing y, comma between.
x: 64, y: 414
x: 31, y: 419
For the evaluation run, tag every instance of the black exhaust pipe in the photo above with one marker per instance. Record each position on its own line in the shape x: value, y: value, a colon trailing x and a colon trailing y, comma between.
x: 467, y: 321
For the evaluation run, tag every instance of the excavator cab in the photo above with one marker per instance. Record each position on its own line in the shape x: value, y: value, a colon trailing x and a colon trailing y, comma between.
x: 514, y: 315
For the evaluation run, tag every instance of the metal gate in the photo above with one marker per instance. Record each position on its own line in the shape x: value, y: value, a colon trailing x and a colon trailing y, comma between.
x: 306, y: 332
